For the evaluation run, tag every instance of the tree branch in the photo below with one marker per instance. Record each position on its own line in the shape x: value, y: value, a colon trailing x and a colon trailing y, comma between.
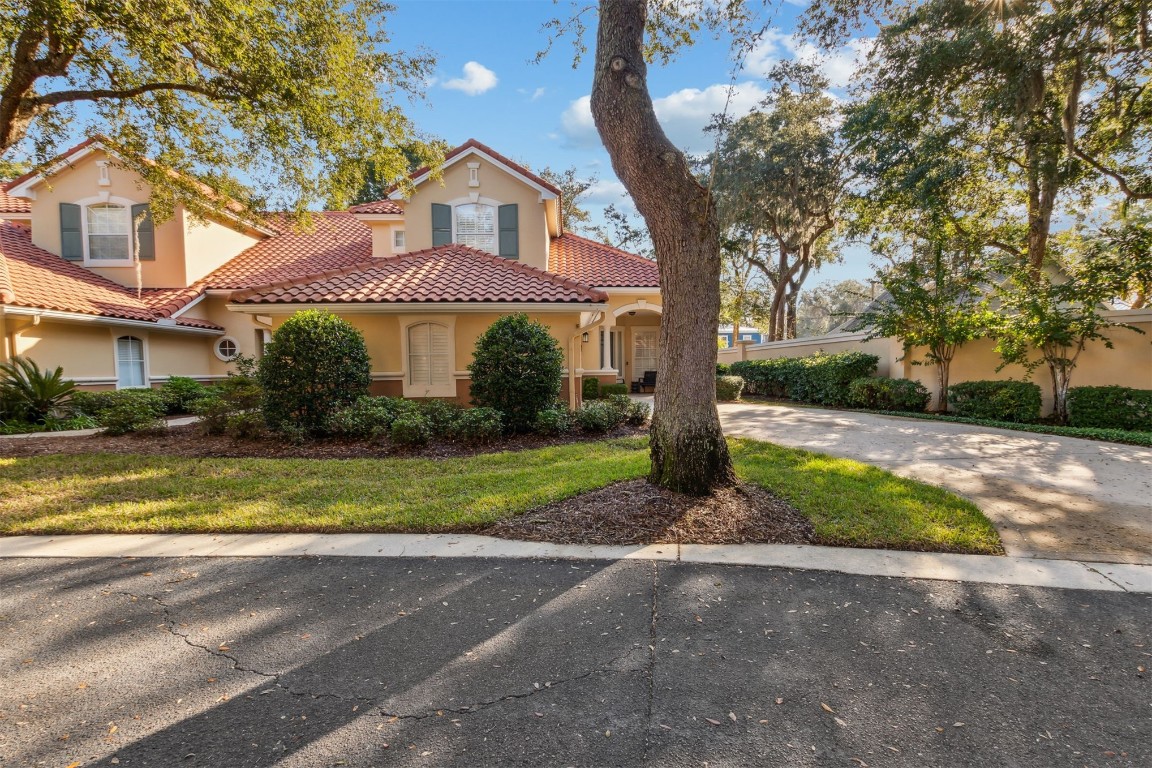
x: 92, y: 94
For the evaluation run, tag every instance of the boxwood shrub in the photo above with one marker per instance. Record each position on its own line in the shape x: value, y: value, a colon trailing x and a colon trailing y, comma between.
x: 553, y: 421
x: 820, y: 379
x: 599, y: 416
x: 180, y: 392
x: 1110, y: 408
x: 884, y: 394
x: 590, y: 389
x: 122, y: 411
x: 517, y: 368
x: 613, y: 389
x: 478, y: 425
x: 1017, y: 401
x: 316, y: 365
x: 410, y: 429
x: 369, y: 417
x: 729, y: 387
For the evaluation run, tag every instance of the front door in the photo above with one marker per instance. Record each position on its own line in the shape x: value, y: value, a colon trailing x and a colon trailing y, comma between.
x: 645, y: 350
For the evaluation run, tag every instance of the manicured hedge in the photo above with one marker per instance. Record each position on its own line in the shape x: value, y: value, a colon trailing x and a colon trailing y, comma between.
x: 1017, y: 401
x: 820, y: 379
x: 613, y: 389
x: 883, y: 394
x: 1110, y: 408
x: 590, y: 389
x: 729, y: 387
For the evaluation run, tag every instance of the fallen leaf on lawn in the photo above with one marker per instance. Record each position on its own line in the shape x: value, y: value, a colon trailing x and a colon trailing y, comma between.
x: 1140, y: 670
x: 74, y: 765
x: 538, y: 714
x: 732, y: 716
x: 666, y: 727
x: 62, y: 737
x: 425, y: 753
x: 939, y: 730
x: 211, y: 679
x: 840, y: 722
x: 223, y: 647
x: 81, y: 686
x: 699, y: 619
x: 763, y: 722
x: 859, y: 761
x: 711, y: 721
x: 826, y: 708
x: 957, y: 725
x: 306, y: 635
x: 608, y: 733
x: 779, y: 701
x: 146, y: 573
x: 112, y: 729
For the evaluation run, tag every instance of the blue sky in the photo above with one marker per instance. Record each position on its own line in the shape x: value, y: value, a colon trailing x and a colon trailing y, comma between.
x: 487, y: 87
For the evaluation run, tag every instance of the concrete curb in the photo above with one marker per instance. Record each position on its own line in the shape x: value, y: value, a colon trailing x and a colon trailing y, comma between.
x: 178, y: 421
x: 1018, y: 571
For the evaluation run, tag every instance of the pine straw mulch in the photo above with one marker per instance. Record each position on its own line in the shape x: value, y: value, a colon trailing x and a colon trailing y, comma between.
x: 187, y: 442
x: 636, y: 512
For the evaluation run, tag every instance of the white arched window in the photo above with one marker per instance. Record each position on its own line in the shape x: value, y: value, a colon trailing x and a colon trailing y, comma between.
x: 130, y: 367
x: 476, y: 226
x: 109, y: 232
x: 429, y: 355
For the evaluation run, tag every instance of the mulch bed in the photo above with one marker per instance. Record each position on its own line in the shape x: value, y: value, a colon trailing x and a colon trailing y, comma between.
x: 186, y: 441
x: 636, y: 512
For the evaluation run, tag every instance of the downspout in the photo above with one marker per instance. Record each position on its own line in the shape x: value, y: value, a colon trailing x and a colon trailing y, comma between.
x: 573, y: 399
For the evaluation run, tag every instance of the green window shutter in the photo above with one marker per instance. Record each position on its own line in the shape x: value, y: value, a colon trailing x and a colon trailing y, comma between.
x: 509, y: 231
x: 441, y: 224
x: 146, y: 233
x: 71, y: 237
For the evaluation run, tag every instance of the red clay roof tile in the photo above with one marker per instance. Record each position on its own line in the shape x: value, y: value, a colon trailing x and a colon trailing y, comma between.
x: 600, y: 265
x: 9, y: 204
x: 450, y: 273
x: 378, y: 206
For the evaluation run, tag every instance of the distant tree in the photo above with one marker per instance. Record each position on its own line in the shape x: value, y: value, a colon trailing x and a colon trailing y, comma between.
x: 573, y: 217
x: 377, y: 186
x: 932, y: 300
x: 294, y: 94
x: 744, y: 291
x: 621, y: 230
x: 828, y: 305
x: 780, y: 178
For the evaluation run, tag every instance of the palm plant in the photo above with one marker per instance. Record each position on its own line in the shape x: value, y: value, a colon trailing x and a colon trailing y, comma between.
x: 33, y: 394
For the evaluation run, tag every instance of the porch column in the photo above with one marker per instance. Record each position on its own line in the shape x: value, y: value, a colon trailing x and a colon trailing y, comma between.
x: 606, y: 346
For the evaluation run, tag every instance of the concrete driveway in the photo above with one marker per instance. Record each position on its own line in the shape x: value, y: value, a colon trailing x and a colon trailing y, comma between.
x: 1050, y: 497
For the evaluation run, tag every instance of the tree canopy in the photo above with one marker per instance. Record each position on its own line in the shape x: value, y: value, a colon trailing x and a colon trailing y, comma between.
x: 294, y: 97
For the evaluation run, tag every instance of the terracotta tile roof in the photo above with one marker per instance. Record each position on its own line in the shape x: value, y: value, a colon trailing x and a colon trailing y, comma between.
x: 473, y: 144
x: 10, y: 204
x: 337, y: 240
x: 33, y: 277
x: 603, y: 266
x: 378, y: 206
x: 450, y: 273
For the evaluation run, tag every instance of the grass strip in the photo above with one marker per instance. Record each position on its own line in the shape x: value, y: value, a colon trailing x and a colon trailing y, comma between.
x: 851, y: 504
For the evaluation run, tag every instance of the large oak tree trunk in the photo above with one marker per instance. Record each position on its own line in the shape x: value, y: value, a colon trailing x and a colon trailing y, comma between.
x: 688, y: 449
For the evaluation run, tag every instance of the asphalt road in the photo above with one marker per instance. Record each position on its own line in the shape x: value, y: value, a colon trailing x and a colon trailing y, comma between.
x: 239, y: 663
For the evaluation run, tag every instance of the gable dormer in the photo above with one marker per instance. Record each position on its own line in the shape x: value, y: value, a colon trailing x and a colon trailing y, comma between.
x: 83, y: 206
x: 482, y: 200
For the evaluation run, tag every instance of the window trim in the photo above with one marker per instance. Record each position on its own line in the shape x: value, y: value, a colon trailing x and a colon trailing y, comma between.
x: 118, y: 334
x: 219, y: 355
x: 478, y: 200
x: 447, y: 389
x: 106, y: 199
x: 399, y: 239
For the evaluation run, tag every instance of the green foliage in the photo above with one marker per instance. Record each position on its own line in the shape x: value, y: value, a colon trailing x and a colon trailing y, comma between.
x: 180, y: 392
x: 50, y: 424
x: 820, y: 379
x: 996, y: 400
x: 369, y: 417
x: 829, y: 305
x: 599, y: 416
x: 235, y: 396
x: 248, y: 425
x: 729, y: 387
x: 607, y: 390
x: 127, y: 410
x: 1110, y: 408
x: 441, y: 415
x: 316, y: 365
x: 637, y: 413
x: 880, y: 394
x: 410, y: 430
x: 590, y: 388
x: 557, y: 420
x: 479, y: 425
x: 723, y: 369
x: 291, y: 95
x: 573, y: 186
x: 28, y: 393
x: 517, y: 368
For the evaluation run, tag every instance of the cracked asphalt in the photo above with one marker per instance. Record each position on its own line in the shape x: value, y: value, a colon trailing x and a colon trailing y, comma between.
x: 247, y: 662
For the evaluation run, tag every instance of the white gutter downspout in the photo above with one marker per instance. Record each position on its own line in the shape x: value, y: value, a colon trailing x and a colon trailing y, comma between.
x: 573, y: 399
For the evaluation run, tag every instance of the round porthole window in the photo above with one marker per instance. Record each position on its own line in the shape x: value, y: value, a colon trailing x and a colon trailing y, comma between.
x: 227, y: 348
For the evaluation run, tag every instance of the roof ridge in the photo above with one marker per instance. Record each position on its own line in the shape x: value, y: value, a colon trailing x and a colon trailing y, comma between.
x: 621, y: 251
x: 312, y: 277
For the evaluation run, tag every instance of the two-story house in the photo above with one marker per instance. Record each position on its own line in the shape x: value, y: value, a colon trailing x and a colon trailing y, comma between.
x: 422, y: 277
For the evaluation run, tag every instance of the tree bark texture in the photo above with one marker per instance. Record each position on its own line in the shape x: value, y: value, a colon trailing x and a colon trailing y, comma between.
x: 688, y: 449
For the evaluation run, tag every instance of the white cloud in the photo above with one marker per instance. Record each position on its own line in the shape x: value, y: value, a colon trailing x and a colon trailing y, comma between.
x: 605, y: 191
x: 536, y: 94
x: 683, y: 114
x: 839, y: 66
x: 477, y: 79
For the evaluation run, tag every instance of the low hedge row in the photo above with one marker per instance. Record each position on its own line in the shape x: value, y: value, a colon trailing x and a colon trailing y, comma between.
x: 819, y: 379
x: 1011, y: 401
x: 881, y: 394
x: 1110, y: 408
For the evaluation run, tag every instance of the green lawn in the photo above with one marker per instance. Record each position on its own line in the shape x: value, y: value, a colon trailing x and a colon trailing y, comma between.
x: 850, y: 503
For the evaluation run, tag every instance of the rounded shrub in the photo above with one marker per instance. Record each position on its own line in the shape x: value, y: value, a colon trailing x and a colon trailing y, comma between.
x: 599, y: 416
x: 553, y: 421
x: 131, y: 410
x: 590, y: 389
x: 1110, y: 408
x: 410, y: 429
x: 368, y: 417
x: 517, y: 368
x: 441, y: 415
x: 638, y: 414
x: 180, y: 392
x: 729, y: 387
x: 478, y: 425
x: 234, y: 396
x: 996, y: 400
x: 316, y: 365
x: 613, y: 389
x: 884, y: 394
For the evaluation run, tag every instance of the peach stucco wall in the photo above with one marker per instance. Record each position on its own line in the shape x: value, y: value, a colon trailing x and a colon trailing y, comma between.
x: 495, y: 184
x: 207, y: 244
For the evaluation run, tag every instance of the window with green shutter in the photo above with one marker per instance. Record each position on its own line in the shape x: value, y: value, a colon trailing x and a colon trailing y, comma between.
x: 441, y: 224
x: 145, y: 234
x: 71, y: 235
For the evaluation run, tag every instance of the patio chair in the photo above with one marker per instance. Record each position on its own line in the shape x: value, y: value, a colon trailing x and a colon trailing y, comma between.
x: 648, y: 382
